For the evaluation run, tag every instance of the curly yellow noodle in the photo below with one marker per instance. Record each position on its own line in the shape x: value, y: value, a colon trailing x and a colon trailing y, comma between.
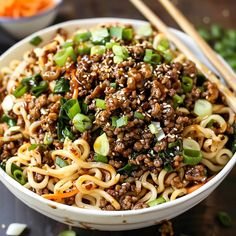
x: 167, y: 192
x: 178, y: 193
x: 34, y: 184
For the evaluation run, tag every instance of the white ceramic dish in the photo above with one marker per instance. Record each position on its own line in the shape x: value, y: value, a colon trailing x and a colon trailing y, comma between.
x: 105, y: 220
x: 24, y: 26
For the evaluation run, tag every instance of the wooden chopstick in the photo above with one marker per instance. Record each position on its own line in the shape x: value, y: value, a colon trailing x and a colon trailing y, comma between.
x: 160, y: 25
x: 227, y: 74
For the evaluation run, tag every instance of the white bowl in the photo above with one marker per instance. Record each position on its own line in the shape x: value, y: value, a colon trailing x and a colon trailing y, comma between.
x: 22, y: 27
x: 105, y: 220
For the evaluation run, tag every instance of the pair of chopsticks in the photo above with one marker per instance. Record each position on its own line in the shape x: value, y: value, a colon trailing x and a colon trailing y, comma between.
x: 228, y: 75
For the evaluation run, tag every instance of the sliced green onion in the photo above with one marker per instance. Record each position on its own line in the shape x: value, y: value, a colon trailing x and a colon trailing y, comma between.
x: 154, y: 127
x: 118, y: 59
x: 145, y: 30
x: 100, y: 158
x: 127, y: 169
x: 192, y: 157
x: 82, y: 122
x: 116, y: 32
x: 174, y: 144
x: 99, y: 35
x: 36, y: 40
x: 163, y: 45
x: 20, y: 91
x: 48, y: 139
x: 187, y: 84
x: 19, y: 177
x: 98, y: 49
x: 202, y: 108
x: 113, y: 85
x: 122, y: 121
x: 67, y: 233
x: 72, y: 108
x: 62, y: 86
x: 10, y: 122
x: 33, y: 147
x: 151, y: 57
x: 138, y: 115
x: 120, y: 51
x: 15, y: 167
x: 224, y: 218
x: 101, y: 145
x: 157, y: 201
x: 177, y: 100
x: 61, y: 56
x: 84, y: 108
x: 100, y: 103
x: 127, y: 34
x: 189, y: 143
x: 60, y: 162
x: 113, y: 120
x: 68, y: 44
x: 109, y: 45
x: 84, y: 48
x: 39, y: 89
x: 82, y: 37
x: 167, y: 56
x: 68, y: 134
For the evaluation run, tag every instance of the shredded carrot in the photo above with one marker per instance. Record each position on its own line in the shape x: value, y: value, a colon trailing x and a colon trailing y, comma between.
x: 59, y: 196
x: 193, y: 188
x: 23, y: 8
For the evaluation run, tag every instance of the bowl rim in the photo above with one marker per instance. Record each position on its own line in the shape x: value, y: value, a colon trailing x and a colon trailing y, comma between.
x: 7, y: 19
x: 90, y: 212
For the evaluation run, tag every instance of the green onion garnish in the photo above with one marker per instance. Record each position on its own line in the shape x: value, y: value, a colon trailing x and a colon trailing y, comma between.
x: 100, y: 103
x: 122, y: 121
x: 153, y: 129
x: 127, y: 34
x: 99, y: 35
x: 177, y: 100
x: 10, y: 122
x: 19, y: 176
x: 39, y: 89
x: 192, y: 157
x: 151, y: 57
x: 60, y: 162
x: 48, y: 139
x: 101, y: 145
x: 98, y: 49
x: 113, y: 85
x: 118, y: 59
x: 116, y: 32
x: 127, y: 169
x: 68, y: 134
x: 62, y: 86
x: 138, y: 115
x: 187, y: 84
x: 33, y: 147
x: 202, y: 108
x: 100, y: 158
x: 82, y: 122
x: 36, y: 40
x: 84, y: 48
x: 163, y: 45
x: 82, y: 37
x: 71, y: 107
x: 20, y: 91
x: 68, y: 44
x: 109, y: 45
x: 113, y: 120
x: 224, y: 218
x: 120, y: 51
x: 61, y: 56
x: 157, y: 201
x: 145, y: 30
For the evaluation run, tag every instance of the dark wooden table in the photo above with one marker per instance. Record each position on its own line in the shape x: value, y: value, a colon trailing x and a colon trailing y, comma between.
x: 200, y: 220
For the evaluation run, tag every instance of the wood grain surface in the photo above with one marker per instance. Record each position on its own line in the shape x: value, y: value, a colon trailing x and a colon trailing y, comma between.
x: 201, y: 219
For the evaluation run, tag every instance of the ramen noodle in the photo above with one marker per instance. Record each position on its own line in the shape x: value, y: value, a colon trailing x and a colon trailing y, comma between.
x: 111, y: 118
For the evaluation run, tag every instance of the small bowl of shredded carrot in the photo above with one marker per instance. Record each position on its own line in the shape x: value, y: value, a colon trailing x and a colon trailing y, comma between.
x: 23, y: 17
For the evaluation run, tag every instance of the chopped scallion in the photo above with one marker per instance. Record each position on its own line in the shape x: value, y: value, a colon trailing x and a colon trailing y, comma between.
x: 138, y: 115
x: 97, y: 49
x: 127, y: 34
x: 202, y: 108
x: 113, y: 120
x: 224, y: 218
x: 71, y: 107
x: 123, y: 121
x: 20, y: 91
x: 82, y: 122
x: 157, y: 201
x: 19, y: 176
x: 40, y: 88
x: 100, y: 103
x: 177, y: 100
x: 61, y: 56
x: 100, y: 158
x: 10, y: 122
x: 60, y: 162
x: 145, y: 30
x: 192, y: 157
x: 116, y: 32
x: 62, y: 86
x: 187, y: 84
x: 82, y: 37
x: 36, y: 40
x: 101, y: 145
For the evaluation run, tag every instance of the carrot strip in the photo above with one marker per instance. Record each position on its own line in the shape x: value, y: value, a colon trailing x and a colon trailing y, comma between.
x: 193, y: 188
x: 59, y: 196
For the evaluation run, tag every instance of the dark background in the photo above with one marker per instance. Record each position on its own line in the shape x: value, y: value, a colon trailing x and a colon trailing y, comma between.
x: 201, y: 220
